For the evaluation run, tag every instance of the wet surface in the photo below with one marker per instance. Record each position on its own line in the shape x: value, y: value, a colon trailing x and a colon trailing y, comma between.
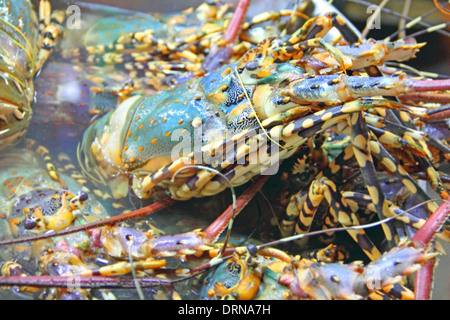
x: 61, y: 115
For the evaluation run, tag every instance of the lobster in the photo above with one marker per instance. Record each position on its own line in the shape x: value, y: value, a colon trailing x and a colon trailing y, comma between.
x: 27, y: 43
x: 132, y: 141
x: 38, y: 200
x: 266, y: 95
x: 330, y: 61
x: 254, y: 277
x: 263, y: 272
x: 160, y: 50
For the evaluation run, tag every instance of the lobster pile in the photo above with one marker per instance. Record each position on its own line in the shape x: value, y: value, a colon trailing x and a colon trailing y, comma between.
x: 214, y: 102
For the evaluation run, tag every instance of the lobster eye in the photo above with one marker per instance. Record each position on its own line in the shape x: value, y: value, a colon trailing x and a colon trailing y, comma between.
x: 252, y: 249
x: 29, y: 224
x: 83, y: 196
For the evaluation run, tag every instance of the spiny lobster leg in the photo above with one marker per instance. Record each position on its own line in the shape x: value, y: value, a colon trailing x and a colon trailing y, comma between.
x: 402, y: 117
x: 409, y: 136
x: 360, y: 143
x: 124, y: 268
x: 358, y: 201
x: 340, y: 213
x: 313, y: 28
x: 45, y: 154
x: 49, y: 32
x: 396, y: 291
x: 391, y: 165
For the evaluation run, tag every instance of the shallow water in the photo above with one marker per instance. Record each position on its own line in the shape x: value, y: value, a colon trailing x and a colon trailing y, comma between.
x: 61, y: 115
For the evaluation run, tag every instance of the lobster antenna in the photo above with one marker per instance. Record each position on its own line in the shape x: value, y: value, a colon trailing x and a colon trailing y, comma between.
x: 411, y: 24
x: 402, y: 21
x: 430, y: 29
x: 133, y: 270
x: 399, y: 15
x: 420, y: 73
x: 233, y: 195
x: 44, y: 153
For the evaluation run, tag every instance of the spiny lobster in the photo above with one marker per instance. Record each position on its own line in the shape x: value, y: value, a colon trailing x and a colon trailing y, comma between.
x: 26, y: 44
x: 265, y: 96
x: 262, y: 69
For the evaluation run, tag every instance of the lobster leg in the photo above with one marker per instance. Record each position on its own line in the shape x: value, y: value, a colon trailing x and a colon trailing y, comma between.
x: 395, y: 291
x: 422, y: 239
x: 360, y: 143
x: 390, y: 163
x: 49, y: 33
x: 340, y: 213
x: 313, y: 28
x: 408, y: 134
x: 358, y: 201
x: 401, y: 117
x: 45, y: 154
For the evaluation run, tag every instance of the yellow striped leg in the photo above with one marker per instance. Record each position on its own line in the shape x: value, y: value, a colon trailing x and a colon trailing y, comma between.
x: 360, y: 144
x: 340, y: 213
